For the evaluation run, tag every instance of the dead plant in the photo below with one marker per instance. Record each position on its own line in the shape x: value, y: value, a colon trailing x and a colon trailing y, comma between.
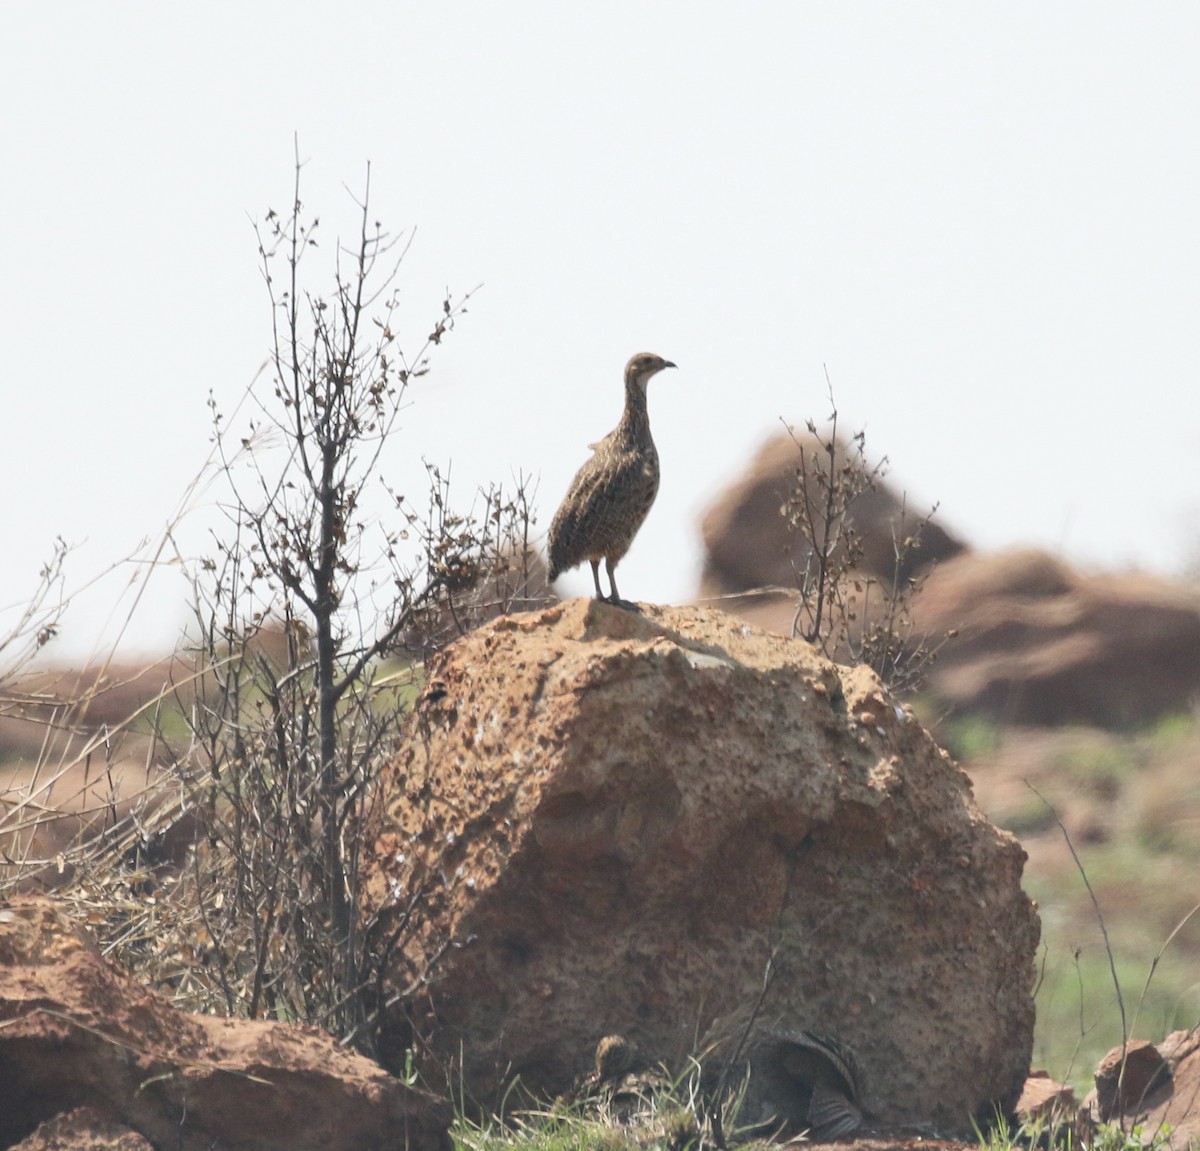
x: 852, y: 614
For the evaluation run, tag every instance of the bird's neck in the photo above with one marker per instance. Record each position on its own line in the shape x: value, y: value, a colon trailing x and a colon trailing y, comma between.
x: 635, y: 421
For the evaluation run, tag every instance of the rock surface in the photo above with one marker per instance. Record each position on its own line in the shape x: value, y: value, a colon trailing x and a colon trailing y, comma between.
x: 79, y: 1038
x: 1042, y: 643
x: 1181, y: 1109
x: 1129, y: 1077
x: 1160, y: 1087
x: 620, y: 820
x: 1044, y: 1100
x: 1038, y: 641
x: 748, y: 543
x: 83, y: 1129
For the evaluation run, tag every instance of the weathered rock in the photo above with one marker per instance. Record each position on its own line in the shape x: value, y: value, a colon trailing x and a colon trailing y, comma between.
x: 1043, y: 1100
x: 76, y: 1033
x: 1128, y: 1078
x: 1181, y: 1109
x: 83, y: 1129
x: 749, y: 544
x: 620, y: 821
x: 1160, y: 1089
x: 1041, y: 643
x: 1038, y: 641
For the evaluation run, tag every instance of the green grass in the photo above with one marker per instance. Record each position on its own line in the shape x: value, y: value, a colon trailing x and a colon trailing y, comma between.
x: 1098, y: 769
x: 1078, y: 1014
x: 1131, y: 804
x: 1003, y: 1136
x: 664, y: 1122
x: 968, y: 737
x: 677, y: 1128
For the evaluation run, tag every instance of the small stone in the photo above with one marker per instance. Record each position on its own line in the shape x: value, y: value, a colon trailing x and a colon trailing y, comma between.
x: 1044, y: 1100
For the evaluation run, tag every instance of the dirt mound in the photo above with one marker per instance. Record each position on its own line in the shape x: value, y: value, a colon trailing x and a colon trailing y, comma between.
x: 621, y: 822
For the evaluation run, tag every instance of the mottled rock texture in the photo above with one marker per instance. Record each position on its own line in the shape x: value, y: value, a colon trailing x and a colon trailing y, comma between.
x: 619, y: 820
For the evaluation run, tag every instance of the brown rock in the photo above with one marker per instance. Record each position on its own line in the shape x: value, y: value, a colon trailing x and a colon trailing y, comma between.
x: 1043, y: 1100
x: 83, y: 1129
x: 1128, y: 1078
x: 618, y: 819
x: 1041, y: 643
x: 72, y: 772
x: 1181, y: 1109
x: 749, y: 544
x: 76, y: 1033
x: 129, y: 803
x: 1038, y: 642
x: 1160, y: 1090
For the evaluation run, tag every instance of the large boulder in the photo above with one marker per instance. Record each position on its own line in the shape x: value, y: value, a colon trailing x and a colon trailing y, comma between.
x: 617, y: 823
x: 89, y: 1057
x: 749, y: 544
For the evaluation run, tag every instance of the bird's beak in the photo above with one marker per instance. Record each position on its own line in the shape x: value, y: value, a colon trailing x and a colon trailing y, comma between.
x: 668, y: 364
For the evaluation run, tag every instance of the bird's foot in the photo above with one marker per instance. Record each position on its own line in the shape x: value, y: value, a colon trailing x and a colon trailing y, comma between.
x: 623, y: 604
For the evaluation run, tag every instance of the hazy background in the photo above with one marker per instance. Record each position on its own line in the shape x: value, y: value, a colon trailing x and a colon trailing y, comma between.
x: 982, y: 219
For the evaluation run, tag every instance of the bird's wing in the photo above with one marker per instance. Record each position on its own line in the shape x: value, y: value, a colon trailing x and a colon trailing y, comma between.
x: 596, y: 486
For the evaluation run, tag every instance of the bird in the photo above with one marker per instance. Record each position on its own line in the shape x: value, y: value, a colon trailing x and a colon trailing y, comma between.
x: 612, y: 493
x: 831, y: 1073
x: 615, y: 1056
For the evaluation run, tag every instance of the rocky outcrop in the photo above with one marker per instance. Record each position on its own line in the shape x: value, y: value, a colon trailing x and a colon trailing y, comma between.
x: 90, y: 1058
x: 1039, y: 642
x: 1045, y: 1101
x: 1036, y: 641
x: 621, y: 823
x: 748, y: 543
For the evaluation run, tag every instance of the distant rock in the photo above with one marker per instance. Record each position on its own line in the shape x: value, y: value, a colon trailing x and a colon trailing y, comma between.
x: 1038, y: 642
x: 1041, y: 643
x: 748, y: 543
x: 621, y: 821
x: 90, y: 1058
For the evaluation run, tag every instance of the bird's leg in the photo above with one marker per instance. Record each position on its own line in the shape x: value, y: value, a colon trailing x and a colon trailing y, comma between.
x: 616, y: 595
x: 596, y: 576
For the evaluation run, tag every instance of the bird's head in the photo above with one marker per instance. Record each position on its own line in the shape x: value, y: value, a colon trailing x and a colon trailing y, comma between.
x: 641, y: 367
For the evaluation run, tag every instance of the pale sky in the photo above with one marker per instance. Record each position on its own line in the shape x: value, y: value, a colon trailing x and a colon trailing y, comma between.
x: 982, y: 219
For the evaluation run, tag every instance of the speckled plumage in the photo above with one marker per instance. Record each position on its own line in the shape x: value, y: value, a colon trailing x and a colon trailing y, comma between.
x: 614, y: 1057
x: 612, y: 493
